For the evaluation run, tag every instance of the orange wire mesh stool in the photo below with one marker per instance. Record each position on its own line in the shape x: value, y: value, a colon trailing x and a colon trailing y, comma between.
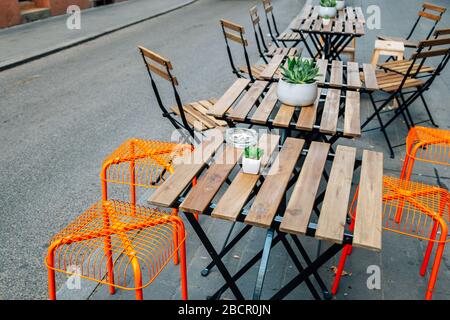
x: 139, y: 240
x: 424, y: 210
x: 427, y: 145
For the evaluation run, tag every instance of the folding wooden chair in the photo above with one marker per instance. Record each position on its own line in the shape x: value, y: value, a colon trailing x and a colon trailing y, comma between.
x: 264, y: 49
x: 435, y: 15
x: 425, y: 216
x: 406, y: 81
x: 235, y: 32
x: 426, y: 145
x: 118, y: 238
x: 291, y: 38
x: 193, y: 115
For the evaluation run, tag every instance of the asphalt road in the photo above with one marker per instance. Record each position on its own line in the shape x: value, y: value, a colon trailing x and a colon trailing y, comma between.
x: 61, y: 115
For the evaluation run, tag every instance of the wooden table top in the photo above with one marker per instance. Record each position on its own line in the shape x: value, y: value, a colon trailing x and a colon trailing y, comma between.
x: 340, y: 85
x: 349, y: 21
x: 282, y: 171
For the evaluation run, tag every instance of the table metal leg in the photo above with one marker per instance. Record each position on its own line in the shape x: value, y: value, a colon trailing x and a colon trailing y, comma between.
x: 263, y: 265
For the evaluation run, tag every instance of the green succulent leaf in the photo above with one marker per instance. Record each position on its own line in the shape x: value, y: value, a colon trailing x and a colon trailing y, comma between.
x: 300, y: 71
x: 253, y: 153
x: 328, y: 3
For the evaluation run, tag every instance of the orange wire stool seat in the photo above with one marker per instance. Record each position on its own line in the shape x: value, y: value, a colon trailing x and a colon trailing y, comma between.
x: 428, y: 145
x: 424, y: 211
x: 138, y: 239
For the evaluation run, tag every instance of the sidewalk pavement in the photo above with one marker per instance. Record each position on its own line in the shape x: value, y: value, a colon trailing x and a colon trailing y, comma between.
x: 27, y: 42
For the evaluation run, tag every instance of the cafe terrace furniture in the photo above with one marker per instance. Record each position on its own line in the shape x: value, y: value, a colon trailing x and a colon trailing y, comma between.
x: 435, y: 16
x: 264, y: 49
x: 428, y: 145
x: 128, y: 243
x: 273, y: 208
x: 340, y: 87
x: 330, y: 40
x: 192, y: 115
x: 415, y: 210
x: 406, y: 81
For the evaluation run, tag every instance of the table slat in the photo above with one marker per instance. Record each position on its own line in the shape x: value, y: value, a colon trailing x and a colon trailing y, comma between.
x: 370, y: 78
x: 352, y: 119
x: 360, y: 15
x: 284, y: 116
x: 169, y: 191
x: 337, y: 70
x: 208, y: 185
x: 307, y: 118
x: 353, y: 79
x: 350, y: 14
x: 272, y: 66
x: 273, y: 188
x: 301, y: 203
x: 322, y: 65
x: 266, y: 106
x: 240, y: 111
x: 331, y: 224
x: 367, y: 233
x: 328, y: 123
x: 229, y: 97
x: 233, y: 200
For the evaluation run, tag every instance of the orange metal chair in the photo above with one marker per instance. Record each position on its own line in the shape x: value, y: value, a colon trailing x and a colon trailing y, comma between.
x: 427, y: 145
x: 121, y: 240
x: 115, y: 230
x: 425, y: 211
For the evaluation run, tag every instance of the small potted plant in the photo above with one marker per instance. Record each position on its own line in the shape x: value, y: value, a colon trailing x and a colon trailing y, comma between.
x: 298, y: 84
x: 327, y: 8
x: 251, y: 163
x: 340, y: 4
x: 326, y: 20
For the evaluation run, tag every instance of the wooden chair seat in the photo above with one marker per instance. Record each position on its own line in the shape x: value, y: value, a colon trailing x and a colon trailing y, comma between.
x: 273, y: 50
x: 289, y: 36
x: 406, y: 43
x: 257, y: 69
x: 403, y: 66
x: 390, y: 81
x: 196, y: 115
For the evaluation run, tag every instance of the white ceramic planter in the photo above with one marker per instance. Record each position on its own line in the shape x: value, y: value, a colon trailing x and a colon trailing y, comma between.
x: 327, y: 11
x: 326, y: 22
x: 340, y: 4
x: 251, y: 166
x: 297, y: 94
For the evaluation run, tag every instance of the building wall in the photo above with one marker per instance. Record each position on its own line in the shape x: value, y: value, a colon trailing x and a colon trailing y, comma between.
x: 58, y: 7
x: 9, y: 13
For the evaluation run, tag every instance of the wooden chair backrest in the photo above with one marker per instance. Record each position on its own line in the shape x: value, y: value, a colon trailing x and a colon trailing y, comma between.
x: 267, y: 6
x: 432, y: 7
x: 154, y: 62
x: 254, y: 16
x: 234, y: 32
x: 441, y: 32
x: 432, y: 51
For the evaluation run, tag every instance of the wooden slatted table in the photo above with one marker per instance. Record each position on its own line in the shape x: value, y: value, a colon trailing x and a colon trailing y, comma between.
x: 335, y: 114
x: 329, y: 40
x: 282, y: 199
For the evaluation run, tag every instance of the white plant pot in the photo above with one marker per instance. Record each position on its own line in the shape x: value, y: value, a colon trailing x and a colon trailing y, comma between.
x: 251, y: 166
x: 327, y: 11
x: 340, y: 4
x: 326, y: 22
x: 297, y: 94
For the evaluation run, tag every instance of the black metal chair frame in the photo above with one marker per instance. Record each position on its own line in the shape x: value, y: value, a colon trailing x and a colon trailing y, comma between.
x: 259, y: 35
x: 400, y: 95
x: 272, y: 26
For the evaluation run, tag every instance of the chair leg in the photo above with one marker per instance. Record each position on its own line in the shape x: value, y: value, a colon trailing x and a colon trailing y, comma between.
x: 340, y: 268
x: 426, y: 259
x: 435, y: 270
x: 51, y: 274
x: 175, y: 239
x: 183, y: 267
x: 137, y: 278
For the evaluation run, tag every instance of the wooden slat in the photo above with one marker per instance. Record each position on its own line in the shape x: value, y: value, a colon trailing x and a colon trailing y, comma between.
x: 328, y: 123
x: 352, y: 120
x: 307, y: 24
x: 155, y: 57
x: 301, y: 203
x: 307, y: 117
x: 198, y: 125
x: 203, y: 106
x: 322, y: 65
x: 348, y: 26
x: 229, y: 97
x: 353, y: 79
x: 336, y: 73
x: 244, y: 106
x: 209, y: 184
x: 331, y: 224
x: 367, y: 233
x: 272, y: 66
x: 359, y: 28
x: 284, y: 116
x: 236, y: 38
x: 266, y: 106
x: 360, y: 15
x: 188, y: 108
x: 338, y: 26
x: 231, y: 203
x: 350, y: 14
x: 315, y: 12
x: 271, y: 193
x: 370, y: 79
x: 232, y: 25
x: 169, y: 191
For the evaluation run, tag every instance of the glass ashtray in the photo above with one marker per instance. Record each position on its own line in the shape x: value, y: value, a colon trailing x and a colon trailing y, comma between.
x: 241, y: 137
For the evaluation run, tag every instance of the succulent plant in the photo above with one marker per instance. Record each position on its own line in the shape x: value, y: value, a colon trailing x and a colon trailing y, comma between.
x: 300, y: 71
x: 326, y: 17
x: 253, y: 153
x: 328, y: 3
